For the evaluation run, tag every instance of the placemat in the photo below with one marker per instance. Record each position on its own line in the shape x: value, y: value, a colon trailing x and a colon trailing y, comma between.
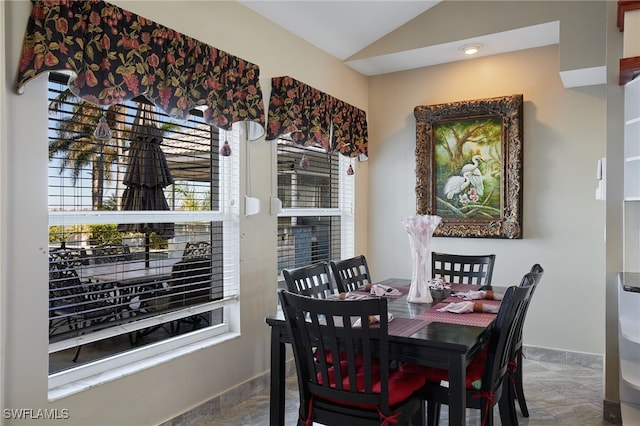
x: 405, y: 327
x: 478, y: 319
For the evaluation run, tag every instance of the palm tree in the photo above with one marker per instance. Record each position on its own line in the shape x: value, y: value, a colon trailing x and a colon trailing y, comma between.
x: 78, y: 148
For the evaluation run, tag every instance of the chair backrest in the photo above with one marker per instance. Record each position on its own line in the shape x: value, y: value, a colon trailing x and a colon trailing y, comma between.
x: 65, y: 289
x: 197, y: 249
x: 330, y: 325
x: 191, y: 282
x: 536, y: 271
x: 351, y: 274
x: 313, y: 280
x: 503, y: 334
x: 69, y: 256
x: 466, y: 269
x: 74, y: 300
x: 110, y: 253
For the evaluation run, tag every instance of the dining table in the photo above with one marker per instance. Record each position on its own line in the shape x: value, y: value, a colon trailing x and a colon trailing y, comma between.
x: 419, y: 333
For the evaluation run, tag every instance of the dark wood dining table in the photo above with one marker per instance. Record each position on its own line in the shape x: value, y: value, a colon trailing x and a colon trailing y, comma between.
x: 417, y: 334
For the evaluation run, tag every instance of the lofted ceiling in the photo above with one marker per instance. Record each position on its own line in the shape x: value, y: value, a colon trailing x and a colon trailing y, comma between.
x: 344, y: 28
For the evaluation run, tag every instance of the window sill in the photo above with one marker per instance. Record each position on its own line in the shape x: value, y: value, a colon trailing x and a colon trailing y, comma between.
x: 63, y: 390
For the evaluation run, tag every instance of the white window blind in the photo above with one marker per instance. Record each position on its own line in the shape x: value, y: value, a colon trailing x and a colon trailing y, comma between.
x: 316, y: 220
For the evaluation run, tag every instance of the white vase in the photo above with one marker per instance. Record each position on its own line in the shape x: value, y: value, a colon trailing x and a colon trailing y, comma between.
x: 420, y: 230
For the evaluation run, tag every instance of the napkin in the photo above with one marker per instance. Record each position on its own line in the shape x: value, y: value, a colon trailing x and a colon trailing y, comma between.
x: 373, y: 319
x: 467, y: 307
x: 384, y: 290
x: 480, y: 294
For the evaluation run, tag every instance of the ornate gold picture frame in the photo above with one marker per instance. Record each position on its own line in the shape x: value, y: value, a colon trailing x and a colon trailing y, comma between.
x: 469, y: 166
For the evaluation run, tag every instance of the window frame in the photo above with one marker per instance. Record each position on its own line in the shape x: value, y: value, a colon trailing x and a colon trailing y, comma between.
x: 344, y: 211
x: 65, y: 382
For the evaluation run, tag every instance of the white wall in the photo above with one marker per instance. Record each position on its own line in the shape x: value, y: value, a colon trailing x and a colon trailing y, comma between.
x: 166, y: 390
x: 564, y: 135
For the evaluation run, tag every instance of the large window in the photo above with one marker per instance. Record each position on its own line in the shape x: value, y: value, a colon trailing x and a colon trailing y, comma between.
x: 143, y: 233
x: 316, y: 191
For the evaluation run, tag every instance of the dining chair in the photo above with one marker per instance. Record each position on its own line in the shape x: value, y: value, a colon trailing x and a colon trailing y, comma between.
x: 78, y: 306
x: 312, y: 280
x: 516, y: 388
x: 196, y: 249
x: 191, y: 282
x: 351, y: 274
x: 465, y: 269
x: 485, y: 373
x: 361, y: 389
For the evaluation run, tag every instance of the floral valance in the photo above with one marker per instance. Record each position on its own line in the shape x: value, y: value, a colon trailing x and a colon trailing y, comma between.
x: 117, y: 55
x: 312, y: 117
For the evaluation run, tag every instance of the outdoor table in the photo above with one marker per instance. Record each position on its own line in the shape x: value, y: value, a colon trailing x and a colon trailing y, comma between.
x: 132, y: 278
x: 415, y: 336
x: 129, y: 272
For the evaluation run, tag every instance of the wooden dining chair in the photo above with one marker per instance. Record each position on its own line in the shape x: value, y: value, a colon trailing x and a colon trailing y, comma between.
x: 312, y: 280
x: 361, y: 389
x: 485, y: 373
x: 465, y: 269
x: 516, y: 388
x: 351, y: 274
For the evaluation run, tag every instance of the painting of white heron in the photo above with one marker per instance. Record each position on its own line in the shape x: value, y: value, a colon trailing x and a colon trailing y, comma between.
x: 468, y: 162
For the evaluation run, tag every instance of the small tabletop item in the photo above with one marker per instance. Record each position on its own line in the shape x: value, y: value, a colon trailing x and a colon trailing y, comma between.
x: 384, y: 290
x: 420, y: 229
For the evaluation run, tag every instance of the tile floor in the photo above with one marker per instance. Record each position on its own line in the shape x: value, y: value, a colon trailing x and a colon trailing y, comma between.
x: 557, y: 394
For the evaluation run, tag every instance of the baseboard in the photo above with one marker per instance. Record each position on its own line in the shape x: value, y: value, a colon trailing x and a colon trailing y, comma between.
x: 232, y: 397
x: 556, y: 356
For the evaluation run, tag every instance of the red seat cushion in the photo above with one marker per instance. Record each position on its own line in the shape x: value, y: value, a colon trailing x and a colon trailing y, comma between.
x: 328, y: 356
x: 402, y: 383
x: 436, y: 375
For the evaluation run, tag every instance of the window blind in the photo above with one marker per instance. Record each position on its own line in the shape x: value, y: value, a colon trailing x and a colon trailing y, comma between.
x: 313, y: 187
x: 108, y: 281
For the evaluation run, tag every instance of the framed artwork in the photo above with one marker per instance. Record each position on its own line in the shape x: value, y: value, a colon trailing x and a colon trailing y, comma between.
x: 469, y: 166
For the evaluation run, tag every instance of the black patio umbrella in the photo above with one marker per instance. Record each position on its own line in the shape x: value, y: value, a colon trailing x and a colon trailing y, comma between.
x: 146, y: 177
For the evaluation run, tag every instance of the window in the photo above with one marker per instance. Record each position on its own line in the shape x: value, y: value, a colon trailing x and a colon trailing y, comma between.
x: 137, y: 254
x: 316, y: 221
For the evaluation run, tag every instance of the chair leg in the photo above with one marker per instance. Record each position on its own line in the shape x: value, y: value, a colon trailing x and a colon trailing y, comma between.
x: 433, y: 413
x: 518, y: 388
x: 486, y: 416
x: 508, y: 416
x: 75, y: 357
x: 419, y: 418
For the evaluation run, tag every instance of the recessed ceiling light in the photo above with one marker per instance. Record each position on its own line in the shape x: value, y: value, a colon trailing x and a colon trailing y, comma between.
x: 471, y: 49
